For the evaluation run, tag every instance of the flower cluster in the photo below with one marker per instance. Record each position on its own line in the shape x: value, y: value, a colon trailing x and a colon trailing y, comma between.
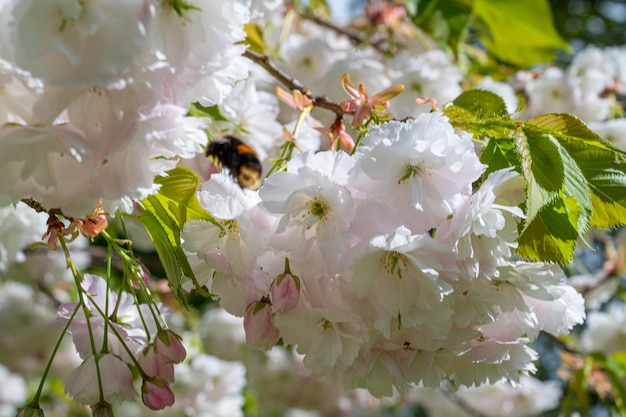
x: 111, y: 334
x: 95, y: 94
x: 386, y: 267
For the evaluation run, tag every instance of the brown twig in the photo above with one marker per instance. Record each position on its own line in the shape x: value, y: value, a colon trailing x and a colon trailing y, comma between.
x: 377, y: 41
x: 293, y: 84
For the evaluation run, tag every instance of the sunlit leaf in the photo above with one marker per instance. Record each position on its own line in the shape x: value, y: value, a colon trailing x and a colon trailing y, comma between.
x: 519, y: 32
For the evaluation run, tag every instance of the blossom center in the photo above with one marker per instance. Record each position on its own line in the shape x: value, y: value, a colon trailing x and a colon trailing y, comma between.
x: 411, y: 170
x: 230, y: 227
x: 394, y: 263
x: 318, y: 207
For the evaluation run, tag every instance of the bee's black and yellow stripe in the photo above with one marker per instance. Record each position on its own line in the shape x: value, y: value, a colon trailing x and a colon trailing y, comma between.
x: 239, y: 158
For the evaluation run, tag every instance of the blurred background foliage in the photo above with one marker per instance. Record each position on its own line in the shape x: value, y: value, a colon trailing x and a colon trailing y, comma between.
x: 585, y: 22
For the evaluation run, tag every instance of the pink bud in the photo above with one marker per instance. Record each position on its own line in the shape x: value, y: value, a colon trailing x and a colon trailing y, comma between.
x: 285, y: 293
x: 169, y: 346
x: 154, y: 365
x: 156, y: 393
x: 260, y: 330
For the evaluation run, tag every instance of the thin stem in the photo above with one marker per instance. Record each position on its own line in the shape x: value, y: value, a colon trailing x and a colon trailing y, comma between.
x: 119, y: 337
x: 35, y: 401
x: 86, y: 312
x: 377, y: 41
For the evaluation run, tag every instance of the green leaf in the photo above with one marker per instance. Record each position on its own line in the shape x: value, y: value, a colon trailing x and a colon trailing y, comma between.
x: 520, y: 32
x: 254, y: 38
x: 166, y: 251
x: 178, y: 195
x: 171, y: 207
x: 446, y: 21
x: 601, y: 163
x: 566, y: 124
x: 550, y: 235
x: 546, y: 162
x: 498, y: 154
x: 481, y: 113
x: 558, y: 200
x: 212, y: 112
x: 481, y: 104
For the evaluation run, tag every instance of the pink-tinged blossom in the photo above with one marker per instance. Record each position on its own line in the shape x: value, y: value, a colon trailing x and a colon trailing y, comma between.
x: 18, y: 94
x: 77, y: 44
x: 115, y: 377
x: 156, y: 393
x: 228, y: 256
x: 335, y: 332
x: 312, y: 199
x: 259, y: 325
x: 252, y: 115
x: 422, y: 166
x: 483, y: 228
x: 233, y: 247
x: 399, y: 274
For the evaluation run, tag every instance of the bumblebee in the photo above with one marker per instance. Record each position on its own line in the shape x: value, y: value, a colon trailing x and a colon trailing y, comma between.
x: 240, y: 160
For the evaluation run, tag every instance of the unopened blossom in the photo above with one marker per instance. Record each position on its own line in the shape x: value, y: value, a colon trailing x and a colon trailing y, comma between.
x: 260, y: 330
x: 102, y: 410
x: 285, y: 291
x: 156, y: 393
x: 115, y: 381
x: 154, y: 364
x: 169, y: 346
x: 30, y: 411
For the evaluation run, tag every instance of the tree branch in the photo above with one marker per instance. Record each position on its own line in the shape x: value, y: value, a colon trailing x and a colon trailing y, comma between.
x: 293, y: 84
x: 377, y: 41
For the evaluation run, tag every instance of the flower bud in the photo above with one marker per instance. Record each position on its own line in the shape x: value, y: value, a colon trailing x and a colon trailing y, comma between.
x: 102, y: 410
x: 155, y: 365
x: 30, y: 411
x: 259, y: 326
x: 169, y: 346
x: 285, y: 292
x: 156, y: 393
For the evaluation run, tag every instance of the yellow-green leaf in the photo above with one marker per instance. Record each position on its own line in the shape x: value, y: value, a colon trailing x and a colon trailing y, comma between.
x: 520, y: 32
